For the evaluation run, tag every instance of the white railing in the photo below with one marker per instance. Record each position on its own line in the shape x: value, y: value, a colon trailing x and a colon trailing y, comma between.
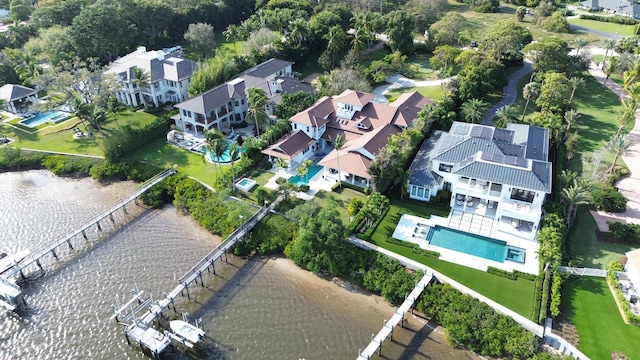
x: 582, y: 271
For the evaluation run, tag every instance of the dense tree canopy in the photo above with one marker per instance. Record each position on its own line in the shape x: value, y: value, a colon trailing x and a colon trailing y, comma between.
x: 400, y: 26
x: 506, y: 40
x: 549, y: 54
x: 450, y: 30
x: 292, y: 104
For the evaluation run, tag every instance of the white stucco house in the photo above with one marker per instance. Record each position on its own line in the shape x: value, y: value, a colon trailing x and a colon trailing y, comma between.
x: 503, y: 172
x: 629, y: 8
x: 17, y: 98
x: 168, y: 77
x: 226, y: 104
x: 365, y: 125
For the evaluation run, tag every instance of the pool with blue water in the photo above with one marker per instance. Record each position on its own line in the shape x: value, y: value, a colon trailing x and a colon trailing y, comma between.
x: 475, y: 245
x: 304, y: 179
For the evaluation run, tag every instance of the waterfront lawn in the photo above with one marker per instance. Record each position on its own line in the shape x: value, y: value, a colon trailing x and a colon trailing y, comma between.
x: 516, y: 295
x: 589, y: 304
x: 341, y: 198
x: 163, y: 155
x: 585, y: 249
x: 622, y: 30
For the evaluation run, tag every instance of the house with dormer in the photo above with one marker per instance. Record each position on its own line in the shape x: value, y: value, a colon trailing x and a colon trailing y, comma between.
x: 166, y: 77
x: 499, y: 175
x: 365, y: 125
x: 225, y: 105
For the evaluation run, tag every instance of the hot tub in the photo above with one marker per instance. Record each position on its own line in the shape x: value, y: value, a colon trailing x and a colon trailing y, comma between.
x: 245, y: 184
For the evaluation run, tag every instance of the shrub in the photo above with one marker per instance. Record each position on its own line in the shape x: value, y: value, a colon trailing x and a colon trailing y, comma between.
x: 556, y: 23
x: 126, y: 139
x: 612, y: 19
x: 304, y: 188
x: 281, y: 180
x: 608, y: 198
x: 629, y: 233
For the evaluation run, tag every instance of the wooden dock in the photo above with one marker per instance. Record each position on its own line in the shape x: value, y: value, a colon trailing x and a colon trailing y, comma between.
x: 19, y: 269
x: 398, y: 316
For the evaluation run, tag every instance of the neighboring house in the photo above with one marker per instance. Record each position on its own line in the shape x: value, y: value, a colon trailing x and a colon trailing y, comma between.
x: 620, y: 7
x: 166, y: 77
x: 632, y: 268
x: 226, y: 104
x: 17, y: 98
x: 500, y: 174
x: 365, y: 125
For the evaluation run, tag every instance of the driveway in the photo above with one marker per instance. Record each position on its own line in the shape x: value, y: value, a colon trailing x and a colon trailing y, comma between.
x: 509, y: 92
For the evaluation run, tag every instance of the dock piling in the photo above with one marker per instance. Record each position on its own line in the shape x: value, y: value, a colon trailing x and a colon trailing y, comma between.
x: 53, y: 251
x: 69, y: 243
x: 85, y: 235
x: 111, y: 218
x: 98, y: 223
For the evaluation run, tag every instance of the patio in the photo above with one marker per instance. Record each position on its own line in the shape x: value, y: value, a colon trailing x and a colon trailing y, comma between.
x: 475, y: 205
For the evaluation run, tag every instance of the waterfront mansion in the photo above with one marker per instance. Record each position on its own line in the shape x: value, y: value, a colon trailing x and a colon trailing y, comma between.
x: 365, y: 125
x: 499, y: 175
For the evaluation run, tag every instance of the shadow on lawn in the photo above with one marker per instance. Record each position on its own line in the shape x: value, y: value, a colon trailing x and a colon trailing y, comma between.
x: 573, y: 286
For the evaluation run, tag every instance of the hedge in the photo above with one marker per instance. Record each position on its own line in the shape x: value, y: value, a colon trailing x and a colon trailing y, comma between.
x: 537, y: 299
x: 628, y: 233
x: 510, y: 275
x: 127, y: 139
x: 624, y: 303
x: 611, y: 19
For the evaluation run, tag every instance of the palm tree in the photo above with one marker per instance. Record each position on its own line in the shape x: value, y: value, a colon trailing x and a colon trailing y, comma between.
x: 114, y: 107
x: 234, y: 153
x: 402, y: 179
x: 626, y: 114
x: 27, y: 68
x: 281, y: 163
x: 358, y: 41
x: 232, y: 34
x: 521, y: 11
x: 567, y: 177
x: 575, y: 82
x: 219, y: 148
x: 303, y: 169
x: 617, y: 145
x: 335, y: 40
x: 530, y: 92
x: 504, y: 115
x: 578, y: 44
x: 609, y: 45
x: 298, y: 30
x: 140, y: 77
x: 609, y: 68
x: 473, y: 110
x: 256, y: 100
x: 338, y: 144
x: 574, y: 195
x: 570, y: 117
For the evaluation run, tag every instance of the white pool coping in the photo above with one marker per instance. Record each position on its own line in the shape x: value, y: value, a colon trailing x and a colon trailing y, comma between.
x: 405, y: 231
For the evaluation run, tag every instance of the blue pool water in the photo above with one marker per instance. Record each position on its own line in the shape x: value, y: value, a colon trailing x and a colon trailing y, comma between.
x: 302, y: 180
x: 226, y: 158
x: 471, y: 244
x: 43, y: 117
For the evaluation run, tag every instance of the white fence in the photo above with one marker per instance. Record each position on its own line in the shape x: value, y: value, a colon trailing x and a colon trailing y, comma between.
x: 582, y: 271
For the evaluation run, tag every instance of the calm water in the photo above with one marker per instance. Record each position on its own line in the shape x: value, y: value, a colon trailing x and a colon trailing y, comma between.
x: 258, y: 309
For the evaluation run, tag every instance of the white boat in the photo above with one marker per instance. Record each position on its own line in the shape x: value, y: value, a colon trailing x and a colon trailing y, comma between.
x: 187, y: 331
x: 9, y: 261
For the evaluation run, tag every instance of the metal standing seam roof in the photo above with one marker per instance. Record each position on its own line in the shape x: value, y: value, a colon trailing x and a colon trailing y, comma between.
x: 213, y: 98
x: 420, y: 169
x: 509, y: 175
x: 12, y: 92
x: 267, y: 68
x: 465, y: 149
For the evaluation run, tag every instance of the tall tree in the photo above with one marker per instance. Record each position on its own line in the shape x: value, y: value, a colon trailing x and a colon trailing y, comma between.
x: 574, y: 195
x: 399, y: 27
x: 549, y: 54
x: 578, y: 44
x: 335, y: 41
x: 140, y: 79
x: 232, y: 34
x: 338, y: 144
x: 609, y: 68
x: 617, y: 145
x: 571, y: 117
x: 505, y: 41
x: 504, y: 116
x: 554, y: 93
x: 530, y: 92
x: 200, y: 36
x: 473, y: 110
x: 575, y: 82
x: 609, y: 45
x: 257, y: 100
x: 450, y: 30
x: 298, y: 30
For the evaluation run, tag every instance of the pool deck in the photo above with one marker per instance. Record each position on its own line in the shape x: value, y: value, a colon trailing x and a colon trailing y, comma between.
x: 410, y: 228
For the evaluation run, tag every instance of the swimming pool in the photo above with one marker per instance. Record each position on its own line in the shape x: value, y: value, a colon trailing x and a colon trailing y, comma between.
x: 245, y: 184
x: 475, y: 245
x: 304, y: 179
x: 44, y: 117
x: 226, y: 158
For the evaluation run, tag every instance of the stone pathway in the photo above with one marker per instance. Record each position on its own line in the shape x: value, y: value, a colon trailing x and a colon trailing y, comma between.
x: 630, y: 186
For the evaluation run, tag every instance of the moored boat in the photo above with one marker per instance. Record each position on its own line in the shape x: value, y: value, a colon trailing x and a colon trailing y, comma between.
x: 187, y: 331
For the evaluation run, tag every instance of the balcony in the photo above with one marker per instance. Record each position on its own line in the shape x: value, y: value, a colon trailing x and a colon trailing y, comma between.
x: 520, y: 208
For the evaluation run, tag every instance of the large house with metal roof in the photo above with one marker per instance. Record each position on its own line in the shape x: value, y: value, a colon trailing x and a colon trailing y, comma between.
x: 17, y: 98
x: 226, y: 104
x: 167, y: 77
x: 365, y: 125
x: 629, y: 8
x: 500, y: 175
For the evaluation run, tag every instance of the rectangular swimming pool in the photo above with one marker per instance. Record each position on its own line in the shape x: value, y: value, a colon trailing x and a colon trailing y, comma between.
x: 303, y: 180
x: 471, y: 244
x: 52, y: 116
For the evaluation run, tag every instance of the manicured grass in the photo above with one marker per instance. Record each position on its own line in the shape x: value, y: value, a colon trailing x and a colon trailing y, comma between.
x: 432, y: 92
x: 584, y: 247
x: 162, y: 154
x: 622, y: 30
x: 420, y: 67
x: 588, y: 302
x: 221, y: 46
x: 341, y: 198
x: 516, y: 295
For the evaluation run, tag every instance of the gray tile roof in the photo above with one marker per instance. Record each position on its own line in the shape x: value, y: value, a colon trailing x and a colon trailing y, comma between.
x: 211, y: 99
x: 466, y: 148
x: 156, y: 63
x: 420, y: 169
x: 267, y: 68
x: 538, y: 178
x: 11, y: 92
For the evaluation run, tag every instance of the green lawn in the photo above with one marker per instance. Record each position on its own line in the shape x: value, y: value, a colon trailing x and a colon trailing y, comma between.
x: 516, y: 295
x: 622, y: 30
x: 220, y: 46
x: 588, y: 302
x: 162, y: 154
x: 340, y: 198
x: 432, y: 92
x: 59, y: 137
x: 584, y: 247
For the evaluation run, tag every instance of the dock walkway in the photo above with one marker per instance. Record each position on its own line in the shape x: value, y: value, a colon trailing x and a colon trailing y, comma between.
x: 94, y: 221
x: 387, y: 329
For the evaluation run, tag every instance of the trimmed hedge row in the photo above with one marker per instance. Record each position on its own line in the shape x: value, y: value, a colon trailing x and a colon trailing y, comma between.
x: 537, y: 298
x: 611, y: 19
x: 415, y: 248
x: 347, y: 185
x: 628, y: 233
x: 127, y: 139
x: 613, y: 283
x: 511, y: 275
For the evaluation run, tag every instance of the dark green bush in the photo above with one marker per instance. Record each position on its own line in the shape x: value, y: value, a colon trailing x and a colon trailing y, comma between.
x: 281, y: 180
x: 502, y: 273
x: 608, y: 198
x: 69, y: 165
x: 304, y: 188
x: 612, y: 19
x: 628, y: 233
x: 127, y: 139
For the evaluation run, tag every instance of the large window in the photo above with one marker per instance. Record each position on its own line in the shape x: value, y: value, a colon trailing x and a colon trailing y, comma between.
x: 445, y: 167
x: 522, y: 195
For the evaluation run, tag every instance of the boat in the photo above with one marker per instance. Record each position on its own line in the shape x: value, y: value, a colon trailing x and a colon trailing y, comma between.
x: 9, y: 261
x: 187, y: 331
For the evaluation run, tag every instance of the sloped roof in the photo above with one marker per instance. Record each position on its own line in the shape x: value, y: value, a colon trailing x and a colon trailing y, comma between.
x: 267, y: 68
x: 374, y: 141
x: 352, y: 163
x: 316, y: 114
x: 412, y: 99
x: 12, y: 92
x: 354, y: 97
x: 213, y: 98
x: 466, y: 148
x: 289, y: 146
x: 156, y: 63
x: 420, y: 170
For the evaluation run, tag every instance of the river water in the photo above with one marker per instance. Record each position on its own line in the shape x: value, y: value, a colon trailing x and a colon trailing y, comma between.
x: 260, y: 308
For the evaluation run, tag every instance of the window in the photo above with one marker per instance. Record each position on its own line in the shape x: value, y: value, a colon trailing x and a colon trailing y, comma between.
x: 522, y: 195
x: 445, y: 167
x: 307, y: 129
x: 236, y: 103
x: 295, y: 126
x: 156, y: 85
x: 413, y: 190
x: 186, y: 113
x: 420, y: 192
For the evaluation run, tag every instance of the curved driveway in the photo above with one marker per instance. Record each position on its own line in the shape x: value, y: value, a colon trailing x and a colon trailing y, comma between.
x: 509, y: 92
